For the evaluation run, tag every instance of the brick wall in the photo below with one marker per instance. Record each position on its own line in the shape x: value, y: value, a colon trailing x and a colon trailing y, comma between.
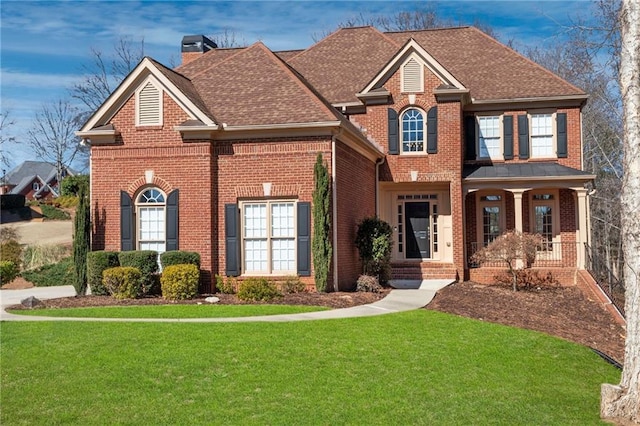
x: 355, y: 180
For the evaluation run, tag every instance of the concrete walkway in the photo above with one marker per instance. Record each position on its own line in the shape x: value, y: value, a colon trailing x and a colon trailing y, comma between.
x: 414, y: 295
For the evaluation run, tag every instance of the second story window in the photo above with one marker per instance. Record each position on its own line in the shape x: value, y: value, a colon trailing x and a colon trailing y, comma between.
x: 489, y: 137
x: 413, y: 131
x: 542, y: 145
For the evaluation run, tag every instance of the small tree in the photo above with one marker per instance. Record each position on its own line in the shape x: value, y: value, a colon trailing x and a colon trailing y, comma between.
x: 81, y: 241
x: 321, y: 243
x: 511, y: 247
x: 374, y: 241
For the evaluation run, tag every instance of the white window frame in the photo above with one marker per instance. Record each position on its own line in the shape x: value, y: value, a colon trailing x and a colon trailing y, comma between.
x: 489, y: 203
x: 270, y: 238
x: 552, y: 134
x: 436, y: 226
x: 403, y: 88
x: 143, y: 85
x: 499, y: 155
x: 141, y: 206
x: 555, y: 218
x: 35, y: 186
x: 424, y: 131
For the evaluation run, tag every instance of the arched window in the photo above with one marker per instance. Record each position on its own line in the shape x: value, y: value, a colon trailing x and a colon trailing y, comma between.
x: 413, y: 131
x: 151, y: 220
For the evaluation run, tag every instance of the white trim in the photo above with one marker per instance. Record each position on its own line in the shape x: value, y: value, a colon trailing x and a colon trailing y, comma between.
x: 428, y: 61
x: 424, y: 131
x: 487, y: 203
x: 499, y: 116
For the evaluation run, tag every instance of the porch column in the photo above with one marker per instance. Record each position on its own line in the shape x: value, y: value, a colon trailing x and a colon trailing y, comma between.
x: 582, y: 226
x: 517, y: 206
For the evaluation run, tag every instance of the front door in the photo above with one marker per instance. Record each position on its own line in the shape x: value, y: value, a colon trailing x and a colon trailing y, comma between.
x: 417, y: 223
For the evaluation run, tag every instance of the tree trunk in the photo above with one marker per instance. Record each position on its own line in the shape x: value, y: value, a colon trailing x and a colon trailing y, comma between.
x: 623, y: 400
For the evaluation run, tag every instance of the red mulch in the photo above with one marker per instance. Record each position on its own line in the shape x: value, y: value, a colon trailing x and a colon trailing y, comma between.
x: 564, y: 312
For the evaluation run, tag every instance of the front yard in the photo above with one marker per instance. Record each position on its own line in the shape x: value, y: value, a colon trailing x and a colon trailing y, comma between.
x: 419, y: 367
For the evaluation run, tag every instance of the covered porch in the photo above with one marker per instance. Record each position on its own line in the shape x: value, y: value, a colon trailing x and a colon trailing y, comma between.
x: 544, y: 198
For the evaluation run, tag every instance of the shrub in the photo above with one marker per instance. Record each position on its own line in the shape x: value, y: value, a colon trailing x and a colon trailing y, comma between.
x: 41, y: 255
x: 11, y: 201
x: 71, y: 185
x: 11, y: 251
x: 123, y: 282
x: 257, y: 289
x: 227, y: 286
x: 180, y: 282
x: 9, y: 233
x: 146, y: 261
x: 321, y: 241
x: 374, y: 240
x: 53, y: 213
x: 528, y: 279
x: 8, y: 271
x: 60, y: 273
x: 180, y: 257
x: 369, y: 284
x: 81, y: 241
x: 292, y: 285
x: 67, y: 201
x: 97, y: 262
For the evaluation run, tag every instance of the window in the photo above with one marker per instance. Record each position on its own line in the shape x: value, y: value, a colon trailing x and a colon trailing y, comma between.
x: 544, y: 218
x: 269, y: 237
x: 413, y: 131
x: 542, y: 145
x: 35, y: 186
x: 412, y: 76
x: 151, y: 223
x: 490, y: 218
x: 489, y: 137
x: 148, y: 105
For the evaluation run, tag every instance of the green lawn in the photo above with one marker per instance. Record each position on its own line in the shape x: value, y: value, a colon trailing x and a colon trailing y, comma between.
x: 171, y: 311
x: 419, y: 367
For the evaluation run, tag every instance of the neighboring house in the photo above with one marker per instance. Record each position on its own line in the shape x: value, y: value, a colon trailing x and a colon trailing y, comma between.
x: 446, y: 134
x: 36, y: 180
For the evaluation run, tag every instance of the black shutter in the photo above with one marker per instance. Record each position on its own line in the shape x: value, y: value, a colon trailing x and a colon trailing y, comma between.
x: 304, y: 239
x: 393, y: 130
x: 172, y: 221
x: 507, y: 124
x: 432, y: 130
x: 470, y: 136
x: 126, y: 222
x: 232, y: 244
x: 523, y: 136
x: 562, y: 134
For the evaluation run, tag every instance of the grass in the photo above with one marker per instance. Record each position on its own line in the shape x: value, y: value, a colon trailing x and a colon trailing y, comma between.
x: 60, y: 273
x: 171, y: 311
x: 419, y: 367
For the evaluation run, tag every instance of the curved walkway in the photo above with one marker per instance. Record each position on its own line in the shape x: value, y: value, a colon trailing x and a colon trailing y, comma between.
x: 410, y: 297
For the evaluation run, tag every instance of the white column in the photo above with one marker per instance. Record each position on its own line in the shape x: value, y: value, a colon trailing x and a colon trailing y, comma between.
x: 582, y: 226
x: 517, y: 206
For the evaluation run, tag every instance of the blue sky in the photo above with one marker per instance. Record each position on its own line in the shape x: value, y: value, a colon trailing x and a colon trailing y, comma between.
x: 45, y: 44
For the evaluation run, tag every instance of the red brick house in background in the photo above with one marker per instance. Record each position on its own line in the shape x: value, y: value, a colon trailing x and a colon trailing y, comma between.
x: 36, y: 180
x: 446, y: 134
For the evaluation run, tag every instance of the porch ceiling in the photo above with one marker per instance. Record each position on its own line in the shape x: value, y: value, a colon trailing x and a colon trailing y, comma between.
x: 520, y: 172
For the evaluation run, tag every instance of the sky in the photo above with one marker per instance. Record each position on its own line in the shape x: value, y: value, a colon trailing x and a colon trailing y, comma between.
x: 46, y: 45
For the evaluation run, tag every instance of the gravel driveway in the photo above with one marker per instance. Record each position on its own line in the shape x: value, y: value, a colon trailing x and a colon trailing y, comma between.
x: 49, y: 232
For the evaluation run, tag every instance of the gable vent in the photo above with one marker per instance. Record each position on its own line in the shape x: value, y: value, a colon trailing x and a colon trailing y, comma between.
x: 149, y: 105
x: 412, y: 76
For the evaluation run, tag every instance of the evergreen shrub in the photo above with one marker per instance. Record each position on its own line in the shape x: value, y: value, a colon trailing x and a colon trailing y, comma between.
x: 180, y: 282
x: 123, y: 282
x: 257, y: 290
x: 97, y: 262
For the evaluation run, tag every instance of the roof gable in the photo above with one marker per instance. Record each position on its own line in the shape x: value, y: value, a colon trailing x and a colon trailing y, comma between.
x: 412, y: 49
x: 262, y: 89
x: 178, y: 87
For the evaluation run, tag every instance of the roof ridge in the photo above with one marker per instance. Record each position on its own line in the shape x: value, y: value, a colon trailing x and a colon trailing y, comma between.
x: 459, y: 27
x: 546, y: 70
x: 212, y: 66
x: 333, y: 34
x: 171, y: 70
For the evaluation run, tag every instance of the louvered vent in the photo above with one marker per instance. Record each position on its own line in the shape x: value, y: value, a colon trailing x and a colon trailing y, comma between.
x: 412, y: 76
x: 149, y: 105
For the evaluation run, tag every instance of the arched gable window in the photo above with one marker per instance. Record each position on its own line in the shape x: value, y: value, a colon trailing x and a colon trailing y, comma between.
x: 151, y: 220
x: 413, y: 131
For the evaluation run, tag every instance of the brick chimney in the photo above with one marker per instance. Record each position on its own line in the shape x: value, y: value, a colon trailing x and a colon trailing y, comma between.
x: 193, y: 46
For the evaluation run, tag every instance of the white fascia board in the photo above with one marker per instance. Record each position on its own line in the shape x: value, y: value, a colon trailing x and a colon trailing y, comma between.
x: 425, y: 58
x: 128, y: 86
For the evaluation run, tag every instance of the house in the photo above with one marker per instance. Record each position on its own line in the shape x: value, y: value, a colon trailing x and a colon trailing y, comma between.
x: 446, y: 134
x: 36, y: 180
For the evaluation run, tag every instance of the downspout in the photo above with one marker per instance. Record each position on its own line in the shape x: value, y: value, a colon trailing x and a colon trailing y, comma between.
x: 334, y: 213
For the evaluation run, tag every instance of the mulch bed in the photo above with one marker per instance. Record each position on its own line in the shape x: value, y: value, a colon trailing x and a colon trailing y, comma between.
x: 564, y: 312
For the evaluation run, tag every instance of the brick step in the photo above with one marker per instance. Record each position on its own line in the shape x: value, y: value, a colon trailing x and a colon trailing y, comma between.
x: 423, y: 270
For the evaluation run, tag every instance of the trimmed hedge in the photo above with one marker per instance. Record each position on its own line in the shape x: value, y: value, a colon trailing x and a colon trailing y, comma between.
x: 179, y: 257
x: 97, y: 262
x: 123, y: 282
x: 8, y: 271
x: 258, y: 290
x: 146, y: 261
x: 11, y: 201
x: 180, y: 282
